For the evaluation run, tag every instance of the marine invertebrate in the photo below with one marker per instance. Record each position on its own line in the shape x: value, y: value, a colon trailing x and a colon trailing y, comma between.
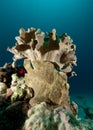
x: 48, y: 61
x: 3, y: 88
x: 60, y: 118
x: 40, y: 117
x: 34, y: 45
x: 48, y: 84
x: 19, y: 88
x: 21, y: 72
x: 5, y: 73
x: 41, y: 84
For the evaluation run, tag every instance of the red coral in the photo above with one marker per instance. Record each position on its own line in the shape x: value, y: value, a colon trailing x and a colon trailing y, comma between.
x: 21, y: 72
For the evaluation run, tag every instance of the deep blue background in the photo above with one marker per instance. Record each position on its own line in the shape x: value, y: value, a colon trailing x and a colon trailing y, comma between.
x: 74, y: 17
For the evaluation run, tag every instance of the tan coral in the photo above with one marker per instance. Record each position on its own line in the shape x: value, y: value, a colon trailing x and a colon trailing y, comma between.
x: 44, y: 55
x: 3, y: 88
x: 34, y: 45
x: 48, y: 84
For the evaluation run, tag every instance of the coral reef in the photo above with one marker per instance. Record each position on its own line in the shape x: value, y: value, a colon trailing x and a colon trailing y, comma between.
x: 34, y: 45
x: 44, y: 56
x: 40, y: 117
x: 3, y: 88
x: 44, y: 119
x: 35, y: 96
x: 20, y: 90
x: 48, y: 84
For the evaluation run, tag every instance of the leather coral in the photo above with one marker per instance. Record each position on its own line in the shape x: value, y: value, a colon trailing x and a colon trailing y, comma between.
x: 34, y: 44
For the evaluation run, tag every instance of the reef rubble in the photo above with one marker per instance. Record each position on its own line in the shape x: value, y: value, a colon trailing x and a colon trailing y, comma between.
x: 35, y: 95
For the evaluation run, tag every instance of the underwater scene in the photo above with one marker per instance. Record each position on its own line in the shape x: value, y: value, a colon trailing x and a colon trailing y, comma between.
x: 46, y: 65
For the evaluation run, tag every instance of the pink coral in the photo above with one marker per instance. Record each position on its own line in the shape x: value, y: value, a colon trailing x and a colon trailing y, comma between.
x: 21, y: 72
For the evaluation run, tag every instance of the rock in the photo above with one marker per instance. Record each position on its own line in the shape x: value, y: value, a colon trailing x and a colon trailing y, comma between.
x: 13, y: 116
x: 88, y: 112
x: 48, y: 84
x: 3, y: 103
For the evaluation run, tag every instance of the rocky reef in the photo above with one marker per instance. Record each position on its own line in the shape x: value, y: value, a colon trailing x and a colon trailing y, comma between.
x: 35, y: 95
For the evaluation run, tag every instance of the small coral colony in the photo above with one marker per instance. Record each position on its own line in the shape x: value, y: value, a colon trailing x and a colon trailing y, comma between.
x: 41, y: 82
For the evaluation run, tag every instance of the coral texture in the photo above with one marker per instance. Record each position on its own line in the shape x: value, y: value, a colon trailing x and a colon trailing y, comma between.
x: 3, y: 88
x: 35, y: 96
x: 40, y: 117
x: 48, y: 84
x: 49, y: 60
x: 34, y: 45
x: 19, y: 88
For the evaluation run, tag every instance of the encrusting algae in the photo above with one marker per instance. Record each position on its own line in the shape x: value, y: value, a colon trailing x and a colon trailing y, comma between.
x: 38, y: 91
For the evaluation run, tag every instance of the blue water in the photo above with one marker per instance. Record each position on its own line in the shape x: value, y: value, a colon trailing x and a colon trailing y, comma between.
x: 74, y: 17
